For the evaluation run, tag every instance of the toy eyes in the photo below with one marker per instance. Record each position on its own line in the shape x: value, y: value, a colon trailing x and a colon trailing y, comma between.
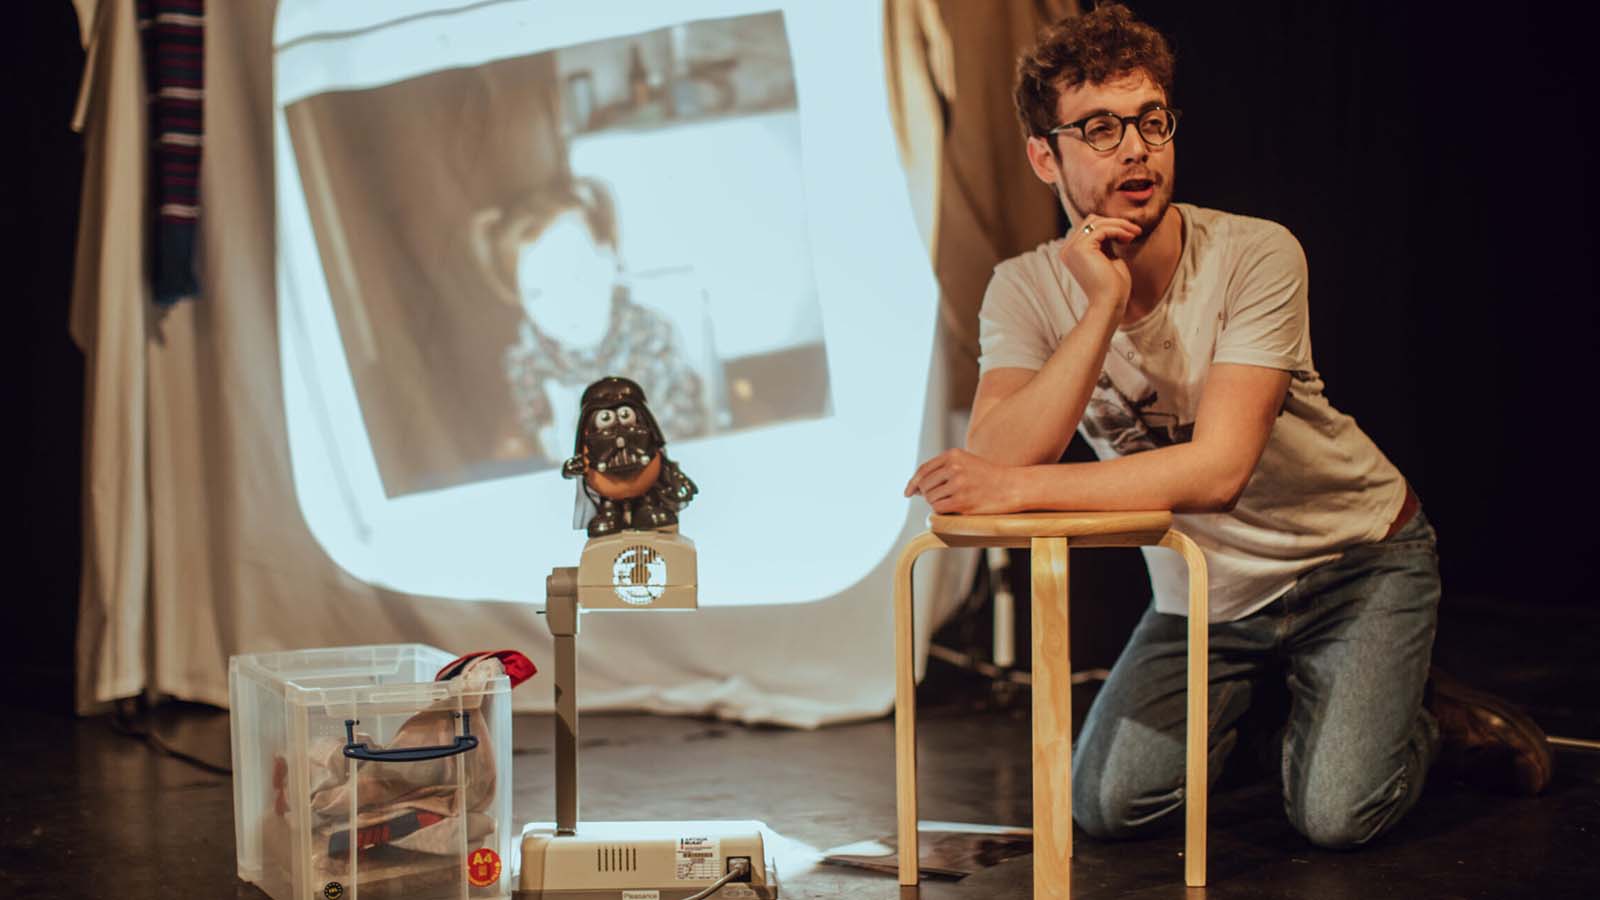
x: 605, y: 418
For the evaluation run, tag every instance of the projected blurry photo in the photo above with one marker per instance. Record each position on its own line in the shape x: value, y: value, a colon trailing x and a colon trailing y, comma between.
x: 552, y: 254
x: 497, y: 236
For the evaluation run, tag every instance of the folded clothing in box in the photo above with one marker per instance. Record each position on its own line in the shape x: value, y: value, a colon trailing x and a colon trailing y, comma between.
x: 414, y: 805
x: 399, y: 814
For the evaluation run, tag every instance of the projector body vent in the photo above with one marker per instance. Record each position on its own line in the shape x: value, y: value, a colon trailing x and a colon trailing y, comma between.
x: 616, y: 858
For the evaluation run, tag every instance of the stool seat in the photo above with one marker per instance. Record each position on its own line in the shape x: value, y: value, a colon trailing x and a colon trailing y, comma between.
x: 1049, y: 536
x: 1018, y: 529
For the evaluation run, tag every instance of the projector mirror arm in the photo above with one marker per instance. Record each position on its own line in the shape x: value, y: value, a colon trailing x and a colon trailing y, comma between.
x: 647, y: 569
x: 561, y: 614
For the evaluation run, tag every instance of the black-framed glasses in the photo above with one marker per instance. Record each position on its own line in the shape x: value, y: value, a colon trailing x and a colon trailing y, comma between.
x: 1104, y: 131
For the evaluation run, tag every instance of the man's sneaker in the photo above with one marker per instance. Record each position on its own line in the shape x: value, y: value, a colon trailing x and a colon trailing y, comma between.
x: 1486, y: 741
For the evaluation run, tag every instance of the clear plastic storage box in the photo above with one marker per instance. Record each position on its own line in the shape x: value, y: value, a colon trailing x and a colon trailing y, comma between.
x: 357, y: 776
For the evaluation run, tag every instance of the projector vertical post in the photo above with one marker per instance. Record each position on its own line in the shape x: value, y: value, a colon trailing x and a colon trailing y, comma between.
x: 561, y: 614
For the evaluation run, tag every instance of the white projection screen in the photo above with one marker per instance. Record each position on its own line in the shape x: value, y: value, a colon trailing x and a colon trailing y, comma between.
x: 483, y: 206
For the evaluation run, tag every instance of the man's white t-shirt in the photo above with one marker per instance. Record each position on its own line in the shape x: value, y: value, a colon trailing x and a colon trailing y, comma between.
x: 1238, y: 296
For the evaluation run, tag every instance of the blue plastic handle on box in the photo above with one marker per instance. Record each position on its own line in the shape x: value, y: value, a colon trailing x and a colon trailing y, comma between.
x: 464, y: 741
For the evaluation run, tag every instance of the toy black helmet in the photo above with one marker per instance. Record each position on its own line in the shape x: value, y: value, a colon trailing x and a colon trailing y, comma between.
x: 612, y: 391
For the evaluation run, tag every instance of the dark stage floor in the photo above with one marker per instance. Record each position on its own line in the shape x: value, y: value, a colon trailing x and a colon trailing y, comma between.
x: 88, y: 812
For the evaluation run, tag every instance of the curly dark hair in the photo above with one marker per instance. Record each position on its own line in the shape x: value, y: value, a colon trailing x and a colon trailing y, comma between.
x: 1093, y: 48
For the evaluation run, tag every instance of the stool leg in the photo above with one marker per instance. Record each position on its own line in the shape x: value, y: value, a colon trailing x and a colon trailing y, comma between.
x: 1052, y: 722
x: 1196, y: 778
x: 905, y: 704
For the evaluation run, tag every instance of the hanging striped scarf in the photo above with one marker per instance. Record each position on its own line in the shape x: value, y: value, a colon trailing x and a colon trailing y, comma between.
x: 173, y: 33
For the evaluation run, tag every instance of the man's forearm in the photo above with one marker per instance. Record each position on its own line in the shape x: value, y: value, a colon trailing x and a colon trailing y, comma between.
x: 1183, y: 478
x: 1035, y: 423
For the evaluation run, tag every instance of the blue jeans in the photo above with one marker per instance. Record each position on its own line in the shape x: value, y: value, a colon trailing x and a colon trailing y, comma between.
x: 1354, y: 637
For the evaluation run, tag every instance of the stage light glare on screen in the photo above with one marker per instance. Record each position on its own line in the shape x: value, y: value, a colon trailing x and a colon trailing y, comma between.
x: 761, y: 219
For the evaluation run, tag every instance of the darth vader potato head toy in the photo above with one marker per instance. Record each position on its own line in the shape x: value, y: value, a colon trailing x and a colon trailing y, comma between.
x: 619, y: 455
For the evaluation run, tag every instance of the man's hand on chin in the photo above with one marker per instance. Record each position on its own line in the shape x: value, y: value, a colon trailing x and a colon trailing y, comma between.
x: 956, y: 481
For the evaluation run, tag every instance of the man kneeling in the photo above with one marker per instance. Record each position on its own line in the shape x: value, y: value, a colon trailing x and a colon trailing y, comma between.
x: 1177, y: 340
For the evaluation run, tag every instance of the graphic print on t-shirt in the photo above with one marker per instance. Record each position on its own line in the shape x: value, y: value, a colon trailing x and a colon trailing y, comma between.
x: 1131, y: 426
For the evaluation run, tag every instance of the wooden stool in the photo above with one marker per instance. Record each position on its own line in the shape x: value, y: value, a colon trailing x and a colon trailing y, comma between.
x: 1048, y: 535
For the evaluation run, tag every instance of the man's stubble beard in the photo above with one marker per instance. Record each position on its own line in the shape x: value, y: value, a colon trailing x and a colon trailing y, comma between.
x: 1077, y: 205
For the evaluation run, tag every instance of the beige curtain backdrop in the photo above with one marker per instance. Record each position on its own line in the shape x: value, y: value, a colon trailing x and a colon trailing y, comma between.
x: 192, y: 539
x: 110, y: 259
x: 194, y: 545
x: 951, y: 64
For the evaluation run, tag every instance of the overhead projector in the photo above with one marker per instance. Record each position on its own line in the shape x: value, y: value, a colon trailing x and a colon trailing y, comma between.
x: 688, y: 860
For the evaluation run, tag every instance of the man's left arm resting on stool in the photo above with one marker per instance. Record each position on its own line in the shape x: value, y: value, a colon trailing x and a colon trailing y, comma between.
x: 1238, y: 406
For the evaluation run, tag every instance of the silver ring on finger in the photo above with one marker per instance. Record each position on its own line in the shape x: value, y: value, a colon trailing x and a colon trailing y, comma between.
x: 1088, y: 228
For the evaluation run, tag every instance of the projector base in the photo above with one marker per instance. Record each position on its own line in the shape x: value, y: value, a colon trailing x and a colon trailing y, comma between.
x: 643, y: 861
